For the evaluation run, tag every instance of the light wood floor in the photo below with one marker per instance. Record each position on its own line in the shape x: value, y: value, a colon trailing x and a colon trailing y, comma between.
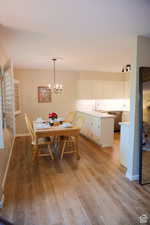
x: 69, y: 192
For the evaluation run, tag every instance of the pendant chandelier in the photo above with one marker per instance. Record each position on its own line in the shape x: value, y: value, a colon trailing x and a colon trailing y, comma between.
x: 57, y: 88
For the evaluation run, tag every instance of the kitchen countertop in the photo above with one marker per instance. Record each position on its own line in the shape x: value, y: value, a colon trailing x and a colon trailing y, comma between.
x: 98, y: 114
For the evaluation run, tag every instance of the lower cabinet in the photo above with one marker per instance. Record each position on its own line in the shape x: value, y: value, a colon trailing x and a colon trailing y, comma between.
x: 98, y: 129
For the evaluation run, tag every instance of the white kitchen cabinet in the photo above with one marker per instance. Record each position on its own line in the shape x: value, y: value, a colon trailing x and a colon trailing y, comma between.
x: 85, y: 89
x: 108, y: 89
x: 100, y: 89
x: 118, y: 88
x: 98, y: 127
x: 97, y: 89
x: 113, y: 89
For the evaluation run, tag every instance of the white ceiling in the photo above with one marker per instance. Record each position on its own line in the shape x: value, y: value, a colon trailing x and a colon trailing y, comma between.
x: 88, y: 34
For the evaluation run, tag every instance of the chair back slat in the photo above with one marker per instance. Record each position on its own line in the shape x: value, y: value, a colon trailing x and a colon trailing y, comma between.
x: 29, y: 127
x: 70, y: 117
x: 79, y: 122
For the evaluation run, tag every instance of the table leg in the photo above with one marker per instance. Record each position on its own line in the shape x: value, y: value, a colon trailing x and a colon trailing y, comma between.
x: 63, y: 149
x: 36, y: 148
x: 77, y: 147
x: 35, y: 151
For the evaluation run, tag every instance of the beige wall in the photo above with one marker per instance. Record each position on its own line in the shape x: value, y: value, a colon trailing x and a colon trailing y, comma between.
x: 30, y: 79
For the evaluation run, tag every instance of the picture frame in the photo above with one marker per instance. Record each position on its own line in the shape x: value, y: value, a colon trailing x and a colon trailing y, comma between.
x: 44, y: 94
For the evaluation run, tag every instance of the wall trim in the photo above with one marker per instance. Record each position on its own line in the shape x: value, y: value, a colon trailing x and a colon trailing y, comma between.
x: 7, y: 168
x: 135, y: 177
x: 132, y: 177
x: 6, y: 172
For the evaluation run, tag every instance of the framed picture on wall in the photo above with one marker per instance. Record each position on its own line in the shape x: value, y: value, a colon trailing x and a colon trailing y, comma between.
x: 44, y: 94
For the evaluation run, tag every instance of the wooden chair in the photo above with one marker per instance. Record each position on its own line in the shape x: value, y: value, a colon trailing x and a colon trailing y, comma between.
x: 70, y: 117
x: 79, y: 121
x: 69, y: 142
x: 36, y: 147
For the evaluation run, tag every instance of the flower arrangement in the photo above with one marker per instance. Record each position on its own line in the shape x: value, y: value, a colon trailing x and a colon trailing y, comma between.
x: 52, y: 115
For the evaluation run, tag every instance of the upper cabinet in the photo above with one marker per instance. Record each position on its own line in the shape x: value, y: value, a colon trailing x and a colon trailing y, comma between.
x: 101, y: 89
x: 113, y: 89
x: 97, y: 89
x: 85, y: 89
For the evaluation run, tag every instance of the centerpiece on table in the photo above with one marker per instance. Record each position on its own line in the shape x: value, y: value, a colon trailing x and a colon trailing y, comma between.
x: 52, y: 116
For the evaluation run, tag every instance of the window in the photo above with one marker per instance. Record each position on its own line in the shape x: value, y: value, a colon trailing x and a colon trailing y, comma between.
x: 17, y: 97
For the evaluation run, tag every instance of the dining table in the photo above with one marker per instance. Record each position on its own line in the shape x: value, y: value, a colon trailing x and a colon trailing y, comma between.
x: 56, y: 131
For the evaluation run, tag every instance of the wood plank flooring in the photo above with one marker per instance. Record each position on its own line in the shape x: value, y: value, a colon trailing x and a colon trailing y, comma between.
x: 92, y: 191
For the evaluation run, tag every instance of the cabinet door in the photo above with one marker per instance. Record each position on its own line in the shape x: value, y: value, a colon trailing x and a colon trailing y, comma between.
x: 96, y: 130
x: 97, y: 89
x: 93, y: 128
x: 89, y: 123
x: 107, y: 89
x: 86, y: 126
x: 100, y: 89
x: 113, y: 89
x: 85, y: 89
x: 118, y: 88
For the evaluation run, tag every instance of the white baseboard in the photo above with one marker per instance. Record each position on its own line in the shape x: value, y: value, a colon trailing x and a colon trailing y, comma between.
x: 2, y: 201
x: 132, y: 177
x: 7, y: 166
x: 8, y: 162
x: 135, y: 177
